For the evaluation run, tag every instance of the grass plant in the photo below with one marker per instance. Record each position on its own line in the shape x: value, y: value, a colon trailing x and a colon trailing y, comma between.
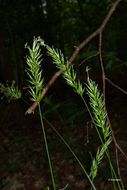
x: 98, y: 114
x: 34, y: 72
x: 11, y: 92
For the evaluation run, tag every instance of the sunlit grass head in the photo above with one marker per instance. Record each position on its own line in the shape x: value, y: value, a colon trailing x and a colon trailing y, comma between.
x: 67, y: 70
x: 34, y: 70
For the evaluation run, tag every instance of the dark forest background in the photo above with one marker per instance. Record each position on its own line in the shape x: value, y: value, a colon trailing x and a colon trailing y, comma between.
x: 63, y: 24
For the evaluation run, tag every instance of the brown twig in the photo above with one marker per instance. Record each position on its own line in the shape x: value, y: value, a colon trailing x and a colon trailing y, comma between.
x: 117, y: 147
x: 118, y: 167
x: 75, y: 53
x: 116, y: 86
x: 103, y: 85
x: 101, y: 63
x: 103, y: 81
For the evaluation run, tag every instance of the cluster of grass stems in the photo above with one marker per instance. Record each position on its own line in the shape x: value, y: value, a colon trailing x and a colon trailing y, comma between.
x: 96, y: 107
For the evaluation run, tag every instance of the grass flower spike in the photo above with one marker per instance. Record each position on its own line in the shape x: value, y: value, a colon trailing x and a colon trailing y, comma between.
x: 68, y: 70
x: 100, y: 119
x: 34, y: 69
x: 34, y: 72
x: 98, y: 108
x: 11, y: 92
x: 98, y: 158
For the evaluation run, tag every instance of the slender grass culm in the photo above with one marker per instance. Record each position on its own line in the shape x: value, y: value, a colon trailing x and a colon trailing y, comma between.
x: 70, y: 77
x: 99, y: 116
x: 36, y: 81
x: 100, y: 119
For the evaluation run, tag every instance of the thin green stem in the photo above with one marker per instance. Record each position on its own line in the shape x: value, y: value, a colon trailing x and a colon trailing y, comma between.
x: 70, y: 149
x: 46, y: 146
x: 63, y: 140
x: 107, y: 151
x: 92, y: 118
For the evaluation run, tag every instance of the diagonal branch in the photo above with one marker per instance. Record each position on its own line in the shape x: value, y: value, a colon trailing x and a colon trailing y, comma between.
x: 116, y: 86
x: 103, y: 81
x: 75, y: 53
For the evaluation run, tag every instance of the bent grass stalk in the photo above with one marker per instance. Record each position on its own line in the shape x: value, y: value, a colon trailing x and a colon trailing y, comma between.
x: 67, y: 145
x: 70, y: 77
x: 73, y: 153
x: 100, y: 119
x: 113, y: 174
x: 106, y: 150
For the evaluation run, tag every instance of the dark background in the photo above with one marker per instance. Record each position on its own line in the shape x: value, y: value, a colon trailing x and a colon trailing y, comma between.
x: 63, y: 24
